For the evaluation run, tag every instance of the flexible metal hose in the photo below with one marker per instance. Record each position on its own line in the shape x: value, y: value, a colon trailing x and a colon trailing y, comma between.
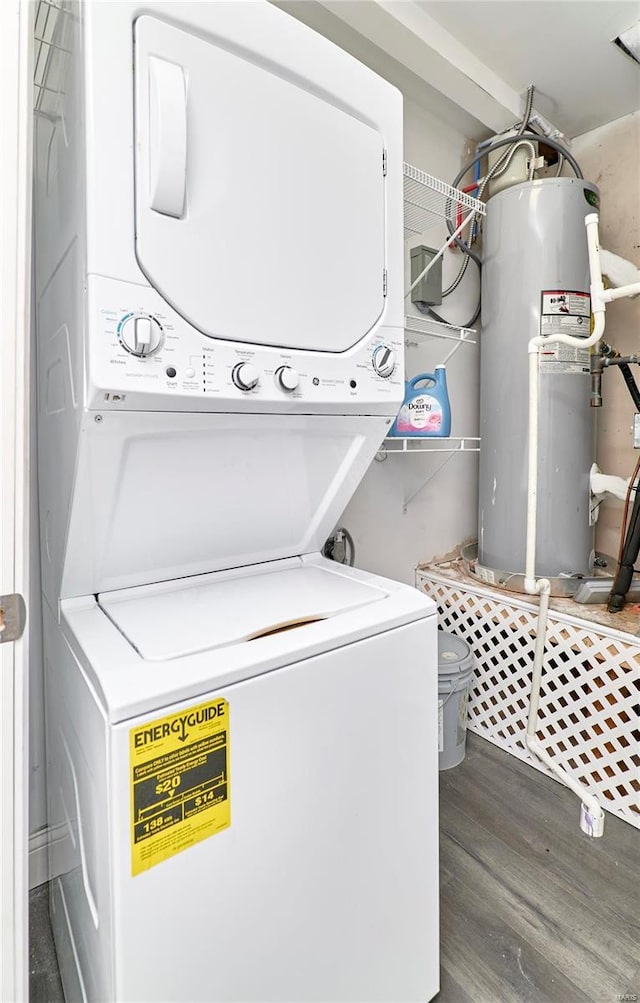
x: 498, y: 168
x: 631, y: 384
x: 498, y: 144
x: 496, y: 171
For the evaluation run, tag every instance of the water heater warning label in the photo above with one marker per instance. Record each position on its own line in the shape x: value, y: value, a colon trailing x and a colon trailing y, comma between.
x: 564, y: 311
x: 560, y: 303
x: 180, y: 787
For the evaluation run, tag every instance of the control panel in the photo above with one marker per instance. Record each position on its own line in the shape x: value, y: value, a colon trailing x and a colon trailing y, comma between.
x: 143, y: 355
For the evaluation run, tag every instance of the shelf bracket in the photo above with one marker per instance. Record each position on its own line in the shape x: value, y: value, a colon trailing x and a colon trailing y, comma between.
x: 433, y: 474
x: 462, y: 447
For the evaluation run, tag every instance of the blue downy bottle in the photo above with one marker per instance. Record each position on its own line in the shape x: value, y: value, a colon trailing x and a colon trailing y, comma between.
x: 425, y: 412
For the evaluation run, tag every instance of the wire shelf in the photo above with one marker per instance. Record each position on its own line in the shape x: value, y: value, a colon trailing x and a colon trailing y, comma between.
x: 52, y: 26
x: 468, y: 444
x: 427, y: 200
x: 436, y: 329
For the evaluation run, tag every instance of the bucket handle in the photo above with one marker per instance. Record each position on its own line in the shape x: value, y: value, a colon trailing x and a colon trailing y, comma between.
x: 447, y: 698
x: 448, y: 686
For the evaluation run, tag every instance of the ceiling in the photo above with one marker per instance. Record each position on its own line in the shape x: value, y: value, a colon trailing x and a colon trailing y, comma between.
x: 324, y: 21
x: 562, y: 46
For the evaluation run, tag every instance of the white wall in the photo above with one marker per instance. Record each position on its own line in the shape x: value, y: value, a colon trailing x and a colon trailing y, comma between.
x: 389, y: 540
x: 610, y: 156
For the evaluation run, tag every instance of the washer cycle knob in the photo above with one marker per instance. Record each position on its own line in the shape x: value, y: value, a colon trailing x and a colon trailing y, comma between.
x: 287, y: 378
x: 245, y: 376
x: 141, y: 335
x: 384, y: 361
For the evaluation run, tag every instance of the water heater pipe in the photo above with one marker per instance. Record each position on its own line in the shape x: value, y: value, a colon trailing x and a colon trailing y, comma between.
x: 591, y: 814
x: 621, y: 292
x: 546, y: 128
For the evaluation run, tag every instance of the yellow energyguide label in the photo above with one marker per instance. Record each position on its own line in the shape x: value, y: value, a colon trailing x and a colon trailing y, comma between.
x: 180, y: 785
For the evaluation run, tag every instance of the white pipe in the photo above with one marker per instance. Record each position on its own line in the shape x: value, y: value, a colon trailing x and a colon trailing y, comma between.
x: 595, y: 268
x: 530, y: 583
x: 609, y: 295
x: 591, y: 814
x: 548, y: 129
x: 589, y: 801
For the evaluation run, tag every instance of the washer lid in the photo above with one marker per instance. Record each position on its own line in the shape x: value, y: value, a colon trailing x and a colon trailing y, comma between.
x: 227, y: 608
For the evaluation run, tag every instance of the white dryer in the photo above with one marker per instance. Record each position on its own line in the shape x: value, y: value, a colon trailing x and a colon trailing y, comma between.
x: 241, y: 736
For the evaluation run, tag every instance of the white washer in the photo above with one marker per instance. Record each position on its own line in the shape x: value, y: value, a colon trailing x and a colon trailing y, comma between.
x: 219, y: 265
x: 322, y: 886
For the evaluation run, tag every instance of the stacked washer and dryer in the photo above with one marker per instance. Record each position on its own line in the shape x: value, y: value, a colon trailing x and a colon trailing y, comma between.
x: 241, y: 735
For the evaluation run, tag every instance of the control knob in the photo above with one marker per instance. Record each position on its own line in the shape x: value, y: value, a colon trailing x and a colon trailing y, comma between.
x: 141, y: 335
x: 287, y: 378
x: 384, y: 361
x: 245, y: 376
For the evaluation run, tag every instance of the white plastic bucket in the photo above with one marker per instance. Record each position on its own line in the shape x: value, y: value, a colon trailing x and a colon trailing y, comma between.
x: 455, y: 672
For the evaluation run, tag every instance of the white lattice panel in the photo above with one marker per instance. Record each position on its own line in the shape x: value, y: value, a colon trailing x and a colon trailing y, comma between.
x: 590, y: 699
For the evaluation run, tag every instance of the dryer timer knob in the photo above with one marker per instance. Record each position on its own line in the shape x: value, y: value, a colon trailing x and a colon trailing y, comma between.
x: 384, y: 361
x: 141, y: 335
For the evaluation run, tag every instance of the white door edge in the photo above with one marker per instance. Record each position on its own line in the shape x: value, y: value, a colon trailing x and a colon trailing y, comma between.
x: 16, y: 22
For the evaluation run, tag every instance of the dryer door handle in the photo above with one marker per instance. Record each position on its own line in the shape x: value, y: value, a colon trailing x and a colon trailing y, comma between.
x: 167, y: 137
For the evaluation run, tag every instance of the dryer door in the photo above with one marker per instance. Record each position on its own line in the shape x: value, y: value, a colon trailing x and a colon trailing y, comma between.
x: 259, y: 204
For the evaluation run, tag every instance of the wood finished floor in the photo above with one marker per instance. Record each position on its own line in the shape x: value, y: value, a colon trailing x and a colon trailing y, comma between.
x: 44, y: 978
x: 531, y: 909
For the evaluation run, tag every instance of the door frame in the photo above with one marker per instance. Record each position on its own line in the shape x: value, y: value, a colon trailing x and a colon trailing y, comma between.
x: 16, y: 27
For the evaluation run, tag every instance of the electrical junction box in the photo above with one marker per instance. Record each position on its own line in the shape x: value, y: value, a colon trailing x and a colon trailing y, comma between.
x: 636, y: 431
x: 429, y: 289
